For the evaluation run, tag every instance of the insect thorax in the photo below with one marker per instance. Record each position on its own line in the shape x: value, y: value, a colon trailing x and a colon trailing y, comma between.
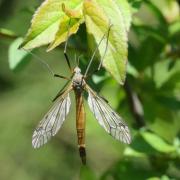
x: 78, y: 81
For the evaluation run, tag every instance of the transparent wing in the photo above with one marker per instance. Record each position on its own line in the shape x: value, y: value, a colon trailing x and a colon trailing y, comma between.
x: 52, y: 121
x: 108, y: 118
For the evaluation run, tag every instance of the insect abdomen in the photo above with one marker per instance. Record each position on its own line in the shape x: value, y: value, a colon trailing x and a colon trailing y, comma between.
x: 80, y: 125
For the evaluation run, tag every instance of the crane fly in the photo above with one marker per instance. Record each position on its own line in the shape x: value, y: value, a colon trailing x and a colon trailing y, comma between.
x: 105, y: 115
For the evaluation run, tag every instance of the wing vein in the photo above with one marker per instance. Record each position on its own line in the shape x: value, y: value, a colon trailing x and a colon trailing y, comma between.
x: 52, y: 121
x: 107, y: 117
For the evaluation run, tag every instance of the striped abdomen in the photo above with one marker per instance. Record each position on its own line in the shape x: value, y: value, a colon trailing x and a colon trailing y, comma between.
x: 80, y: 125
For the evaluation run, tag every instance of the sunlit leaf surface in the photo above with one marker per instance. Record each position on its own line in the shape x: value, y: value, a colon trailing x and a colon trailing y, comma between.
x: 45, y: 23
x: 62, y: 33
x: 98, y: 17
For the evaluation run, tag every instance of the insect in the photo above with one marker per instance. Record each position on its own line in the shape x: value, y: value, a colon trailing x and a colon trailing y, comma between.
x: 105, y: 115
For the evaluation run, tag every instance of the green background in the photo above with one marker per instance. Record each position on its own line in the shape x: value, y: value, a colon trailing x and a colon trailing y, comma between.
x: 26, y: 94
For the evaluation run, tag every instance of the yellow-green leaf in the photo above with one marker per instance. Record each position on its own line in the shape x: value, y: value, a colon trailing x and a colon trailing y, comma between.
x: 45, y: 22
x: 68, y: 25
x: 125, y: 9
x: 98, y: 16
x: 72, y: 13
x: 62, y: 33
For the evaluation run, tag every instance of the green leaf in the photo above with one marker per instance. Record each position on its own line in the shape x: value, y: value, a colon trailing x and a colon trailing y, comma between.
x: 72, y: 13
x: 98, y: 16
x: 125, y: 9
x: 136, y: 169
x: 46, y: 21
x: 139, y: 145
x: 172, y: 103
x: 162, y: 68
x: 164, y: 177
x: 62, y: 33
x: 157, y: 143
x: 174, y: 28
x: 132, y: 70
x: 69, y: 25
x: 17, y: 57
x: 133, y: 153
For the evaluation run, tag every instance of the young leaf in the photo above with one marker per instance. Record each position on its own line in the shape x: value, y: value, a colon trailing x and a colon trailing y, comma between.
x: 62, y: 33
x: 98, y: 17
x: 70, y: 24
x: 45, y: 23
x: 72, y: 13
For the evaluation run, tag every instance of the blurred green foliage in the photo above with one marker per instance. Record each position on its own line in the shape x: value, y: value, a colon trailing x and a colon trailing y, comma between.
x: 149, y: 102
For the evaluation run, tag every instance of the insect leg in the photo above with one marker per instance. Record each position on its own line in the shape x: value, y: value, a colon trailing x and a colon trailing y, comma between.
x: 61, y: 91
x: 46, y: 65
x: 101, y: 61
x: 65, y: 53
x: 60, y: 76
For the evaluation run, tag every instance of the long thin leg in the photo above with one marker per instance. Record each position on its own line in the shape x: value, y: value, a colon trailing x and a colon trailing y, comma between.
x: 46, y: 65
x: 100, y: 64
x: 61, y: 91
x: 63, y: 88
x: 89, y: 75
x: 90, y: 62
x: 60, y: 76
x: 65, y: 53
